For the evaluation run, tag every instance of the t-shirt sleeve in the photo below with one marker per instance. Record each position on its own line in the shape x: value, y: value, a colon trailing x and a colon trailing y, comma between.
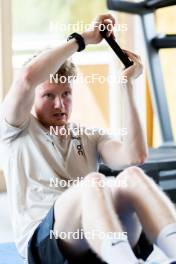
x: 9, y: 133
x: 100, y: 136
x: 104, y: 138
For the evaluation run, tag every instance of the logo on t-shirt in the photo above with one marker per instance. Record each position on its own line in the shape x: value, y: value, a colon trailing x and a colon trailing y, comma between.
x: 80, y: 149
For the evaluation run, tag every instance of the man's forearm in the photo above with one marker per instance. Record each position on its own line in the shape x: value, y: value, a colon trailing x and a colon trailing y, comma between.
x: 49, y: 62
x: 135, y: 142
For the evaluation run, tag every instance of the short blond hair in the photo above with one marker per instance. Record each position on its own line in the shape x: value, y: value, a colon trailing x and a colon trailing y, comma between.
x: 68, y: 69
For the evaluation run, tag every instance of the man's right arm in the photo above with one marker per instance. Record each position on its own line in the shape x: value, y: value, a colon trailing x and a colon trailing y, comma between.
x: 19, y: 100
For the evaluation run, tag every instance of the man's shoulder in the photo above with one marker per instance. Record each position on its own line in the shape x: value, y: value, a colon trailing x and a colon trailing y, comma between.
x: 90, y: 134
x: 9, y: 133
x: 76, y: 129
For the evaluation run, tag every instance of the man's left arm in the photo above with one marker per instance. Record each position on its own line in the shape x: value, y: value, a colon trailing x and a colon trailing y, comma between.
x: 133, y: 150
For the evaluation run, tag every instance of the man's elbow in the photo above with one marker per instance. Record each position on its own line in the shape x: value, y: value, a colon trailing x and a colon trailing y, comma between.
x: 143, y: 157
x: 140, y: 158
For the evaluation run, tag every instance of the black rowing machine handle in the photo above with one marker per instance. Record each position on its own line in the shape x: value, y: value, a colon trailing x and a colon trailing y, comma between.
x: 116, y: 48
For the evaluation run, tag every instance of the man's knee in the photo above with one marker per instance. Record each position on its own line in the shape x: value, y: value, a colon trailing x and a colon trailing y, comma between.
x: 94, y: 178
x: 94, y: 183
x: 135, y: 178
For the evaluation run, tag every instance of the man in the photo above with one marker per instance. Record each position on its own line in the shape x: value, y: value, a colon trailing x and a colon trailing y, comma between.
x: 32, y: 156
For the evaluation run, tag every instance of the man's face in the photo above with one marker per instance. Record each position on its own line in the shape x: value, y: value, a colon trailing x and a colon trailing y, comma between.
x: 53, y: 103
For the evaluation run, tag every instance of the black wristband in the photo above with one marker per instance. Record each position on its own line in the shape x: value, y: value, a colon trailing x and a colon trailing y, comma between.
x: 79, y: 40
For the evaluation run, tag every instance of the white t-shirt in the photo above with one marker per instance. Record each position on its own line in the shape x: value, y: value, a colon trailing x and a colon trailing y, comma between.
x: 32, y: 160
